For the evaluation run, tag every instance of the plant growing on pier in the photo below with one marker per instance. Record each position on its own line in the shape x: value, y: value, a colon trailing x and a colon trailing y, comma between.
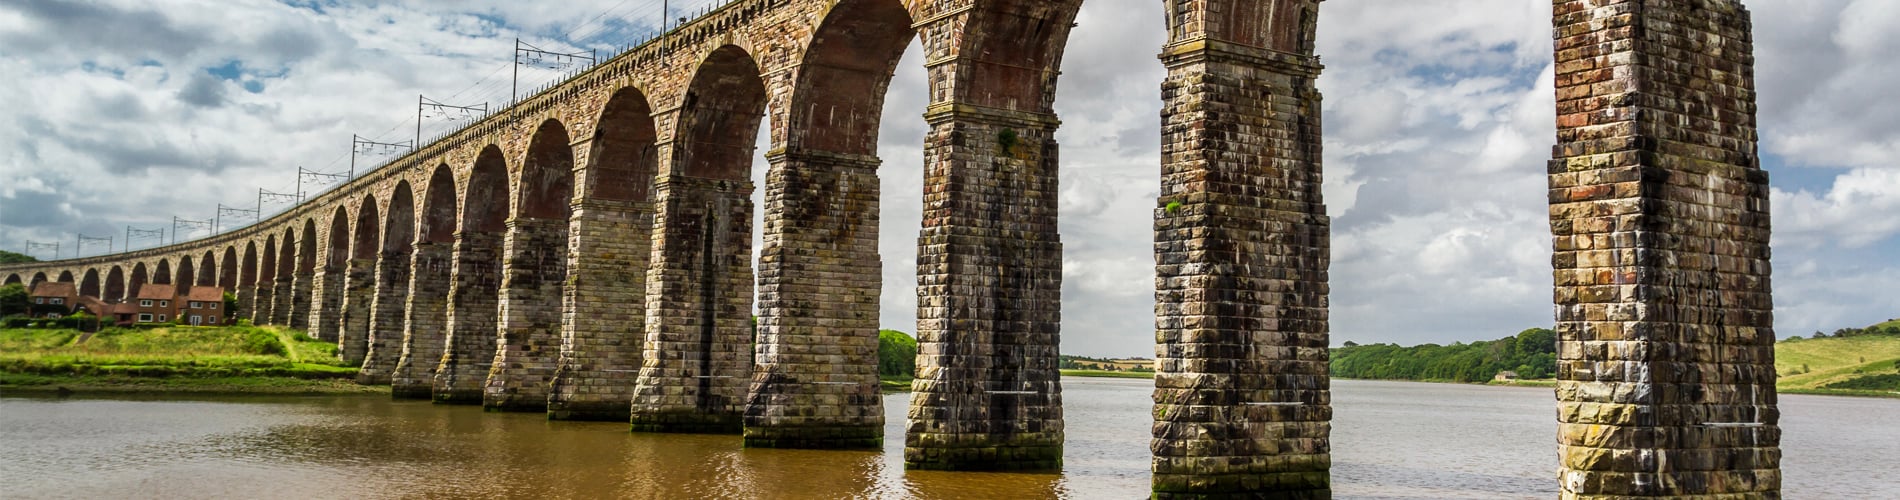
x: 1007, y: 140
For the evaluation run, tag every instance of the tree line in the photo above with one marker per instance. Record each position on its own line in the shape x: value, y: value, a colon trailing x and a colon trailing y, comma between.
x: 1531, y: 353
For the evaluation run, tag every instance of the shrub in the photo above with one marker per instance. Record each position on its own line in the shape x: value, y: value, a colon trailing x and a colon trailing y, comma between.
x: 896, y: 354
x: 261, y: 341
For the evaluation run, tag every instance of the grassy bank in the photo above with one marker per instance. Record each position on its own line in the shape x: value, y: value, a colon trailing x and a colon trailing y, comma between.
x: 236, y: 359
x: 1107, y: 374
x: 1866, y: 365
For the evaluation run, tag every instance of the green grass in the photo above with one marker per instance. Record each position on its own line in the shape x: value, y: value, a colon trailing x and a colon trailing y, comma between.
x: 1810, y: 366
x: 1106, y: 374
x: 895, y: 383
x: 187, y: 359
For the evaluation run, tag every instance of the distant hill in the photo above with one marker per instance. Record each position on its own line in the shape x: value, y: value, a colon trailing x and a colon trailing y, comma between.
x: 1853, y: 360
x: 15, y: 258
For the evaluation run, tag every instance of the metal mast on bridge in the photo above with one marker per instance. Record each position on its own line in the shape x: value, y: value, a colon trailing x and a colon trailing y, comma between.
x: 79, y: 249
x: 143, y: 234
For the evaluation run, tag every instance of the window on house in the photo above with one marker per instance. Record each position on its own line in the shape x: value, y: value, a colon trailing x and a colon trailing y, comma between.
x: 58, y: 301
x: 39, y: 300
x: 164, y: 303
x: 213, y: 305
x: 192, y: 304
x: 145, y: 318
x: 161, y: 317
x: 145, y: 303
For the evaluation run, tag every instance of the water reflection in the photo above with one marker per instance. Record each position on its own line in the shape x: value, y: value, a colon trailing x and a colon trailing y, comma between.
x: 1391, y: 440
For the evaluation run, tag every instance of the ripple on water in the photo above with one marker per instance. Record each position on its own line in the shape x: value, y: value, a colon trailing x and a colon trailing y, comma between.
x: 1390, y: 440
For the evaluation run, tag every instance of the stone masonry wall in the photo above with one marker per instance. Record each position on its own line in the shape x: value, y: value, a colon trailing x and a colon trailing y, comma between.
x: 326, y: 314
x: 1659, y: 218
x: 1242, y: 400
x: 387, y: 316
x: 988, y: 394
x: 817, y: 380
x: 425, y: 330
x: 303, y: 293
x: 528, y: 342
x: 609, y: 245
x: 698, y: 356
x: 474, y: 308
x: 262, y: 300
x: 359, y: 296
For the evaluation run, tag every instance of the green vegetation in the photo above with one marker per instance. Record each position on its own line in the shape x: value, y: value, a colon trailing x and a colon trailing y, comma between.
x: 896, y: 359
x: 14, y: 299
x: 15, y: 258
x: 209, y: 359
x: 1531, y: 353
x: 1853, y: 361
x: 1109, y: 373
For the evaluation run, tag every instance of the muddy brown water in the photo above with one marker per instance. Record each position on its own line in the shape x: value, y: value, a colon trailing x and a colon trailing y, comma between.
x: 1390, y: 440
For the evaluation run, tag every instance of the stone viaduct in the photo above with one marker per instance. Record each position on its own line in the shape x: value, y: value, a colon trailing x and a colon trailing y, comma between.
x: 587, y: 252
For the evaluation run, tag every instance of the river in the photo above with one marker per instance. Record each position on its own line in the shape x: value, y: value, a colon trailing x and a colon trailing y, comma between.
x: 1390, y: 440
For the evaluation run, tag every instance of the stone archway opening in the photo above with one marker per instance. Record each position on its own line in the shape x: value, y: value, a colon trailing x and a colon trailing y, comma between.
x: 534, y: 274
x: 474, y: 294
x: 821, y: 223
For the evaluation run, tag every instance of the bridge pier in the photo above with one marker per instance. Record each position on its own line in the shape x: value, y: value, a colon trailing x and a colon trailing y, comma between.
x: 1242, y: 400
x: 359, y: 294
x: 988, y: 393
x: 605, y: 311
x: 698, y: 355
x: 1659, y: 218
x: 817, y: 381
x: 528, y: 342
x: 389, y: 297
x: 262, y: 301
x: 326, y: 315
x: 425, y: 328
x: 474, y: 307
x: 297, y: 304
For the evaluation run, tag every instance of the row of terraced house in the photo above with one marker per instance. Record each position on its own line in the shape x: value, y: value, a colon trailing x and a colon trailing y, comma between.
x: 195, y: 305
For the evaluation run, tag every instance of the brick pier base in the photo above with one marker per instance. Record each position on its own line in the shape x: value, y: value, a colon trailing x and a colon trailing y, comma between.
x: 820, y: 276
x: 609, y: 246
x: 529, y: 338
x: 425, y: 330
x: 474, y: 307
x: 697, y: 360
x: 391, y: 296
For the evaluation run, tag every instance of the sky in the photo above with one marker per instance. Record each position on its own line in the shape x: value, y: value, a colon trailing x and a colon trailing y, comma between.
x: 1438, y: 118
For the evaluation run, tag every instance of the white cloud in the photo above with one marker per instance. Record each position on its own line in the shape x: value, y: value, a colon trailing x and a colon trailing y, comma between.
x: 1438, y: 117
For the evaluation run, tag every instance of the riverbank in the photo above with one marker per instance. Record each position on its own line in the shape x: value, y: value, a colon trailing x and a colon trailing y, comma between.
x: 178, y: 359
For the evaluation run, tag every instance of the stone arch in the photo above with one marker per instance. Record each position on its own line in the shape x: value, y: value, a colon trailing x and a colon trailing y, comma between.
x: 162, y: 273
x: 625, y: 158
x: 267, y: 262
x: 66, y: 276
x: 207, y: 269
x: 485, y: 207
x: 38, y: 278
x: 437, y: 224
x: 720, y: 117
x: 339, y: 249
x: 838, y: 100
x: 13, y: 279
x: 115, y: 285
x: 534, y: 273
x: 368, y: 233
x: 89, y: 285
x: 228, y: 269
x: 821, y: 227
x: 547, y: 176
x: 399, y: 229
x: 474, y: 296
x: 139, y: 278
x: 179, y: 276
x: 247, y: 273
x: 1253, y: 23
x: 306, y: 255
x: 1013, y: 51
